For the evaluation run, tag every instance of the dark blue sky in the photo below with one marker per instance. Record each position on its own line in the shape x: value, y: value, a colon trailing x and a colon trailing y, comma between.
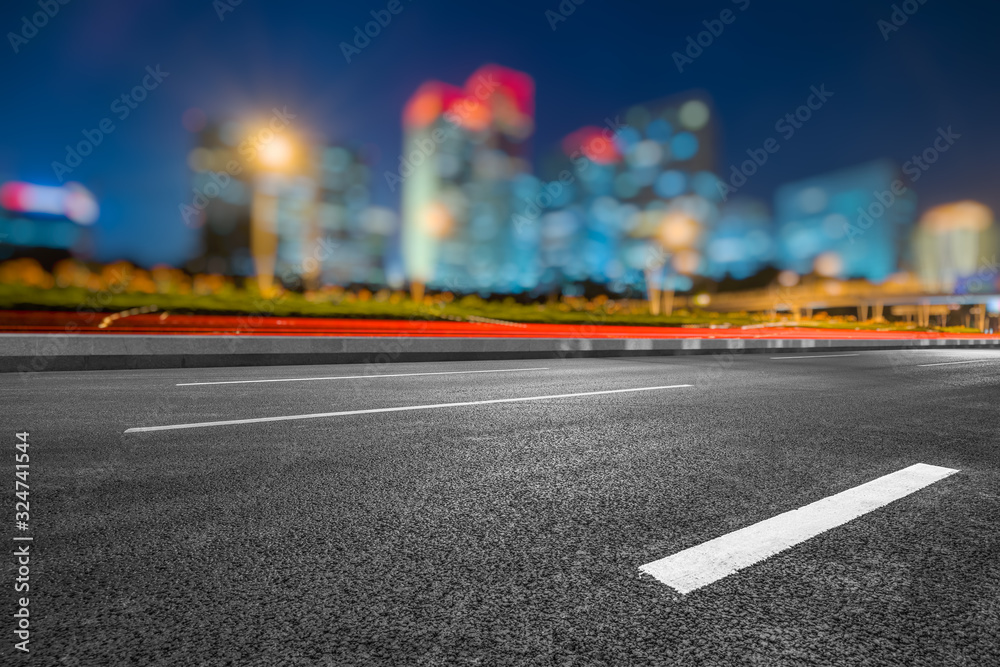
x: 890, y: 96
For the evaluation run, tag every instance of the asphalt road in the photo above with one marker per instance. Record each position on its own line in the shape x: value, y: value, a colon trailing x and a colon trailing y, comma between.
x: 508, y: 533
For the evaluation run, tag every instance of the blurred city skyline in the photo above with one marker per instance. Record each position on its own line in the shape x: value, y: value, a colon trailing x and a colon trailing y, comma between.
x: 889, y: 91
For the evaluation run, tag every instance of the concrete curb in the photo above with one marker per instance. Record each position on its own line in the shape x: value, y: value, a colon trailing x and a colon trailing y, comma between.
x: 28, y: 353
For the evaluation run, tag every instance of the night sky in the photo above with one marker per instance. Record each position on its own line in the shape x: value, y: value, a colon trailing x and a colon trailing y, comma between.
x: 890, y: 96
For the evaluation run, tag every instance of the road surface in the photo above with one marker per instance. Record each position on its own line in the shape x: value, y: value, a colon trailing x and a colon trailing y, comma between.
x: 498, y: 513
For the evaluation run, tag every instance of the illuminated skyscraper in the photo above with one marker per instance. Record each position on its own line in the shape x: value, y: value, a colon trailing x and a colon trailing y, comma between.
x: 353, y: 235
x: 852, y: 223
x: 464, y: 148
x: 955, y: 249
x: 220, y: 204
x: 628, y: 202
x: 296, y: 210
x: 740, y: 242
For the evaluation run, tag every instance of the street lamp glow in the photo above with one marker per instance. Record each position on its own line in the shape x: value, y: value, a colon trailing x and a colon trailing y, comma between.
x: 678, y: 231
x: 788, y: 278
x: 276, y: 154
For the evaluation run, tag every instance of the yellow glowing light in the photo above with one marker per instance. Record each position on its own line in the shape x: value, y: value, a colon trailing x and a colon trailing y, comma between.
x: 829, y: 264
x: 687, y: 262
x: 678, y: 231
x: 437, y: 220
x: 276, y: 154
x: 788, y: 278
x: 967, y: 215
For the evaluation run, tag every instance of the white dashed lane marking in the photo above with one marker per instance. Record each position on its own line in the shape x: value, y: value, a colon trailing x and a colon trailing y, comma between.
x: 710, y: 561
x: 360, y: 377
x: 815, y: 356
x: 319, y: 415
x: 949, y: 363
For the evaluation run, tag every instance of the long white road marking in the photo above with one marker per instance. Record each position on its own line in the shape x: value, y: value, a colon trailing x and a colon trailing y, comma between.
x: 949, y: 363
x: 816, y: 356
x: 358, y: 377
x: 399, y: 409
x: 710, y: 561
